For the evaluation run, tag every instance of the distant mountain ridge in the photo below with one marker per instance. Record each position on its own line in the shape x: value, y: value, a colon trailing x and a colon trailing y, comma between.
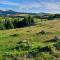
x: 13, y: 13
x: 2, y: 13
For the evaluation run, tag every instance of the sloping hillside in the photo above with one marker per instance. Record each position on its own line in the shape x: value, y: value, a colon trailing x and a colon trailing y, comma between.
x: 41, y: 41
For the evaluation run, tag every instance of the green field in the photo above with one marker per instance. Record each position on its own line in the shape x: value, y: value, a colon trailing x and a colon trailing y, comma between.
x: 38, y: 41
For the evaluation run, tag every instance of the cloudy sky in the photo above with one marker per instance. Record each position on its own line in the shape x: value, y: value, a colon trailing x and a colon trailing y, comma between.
x: 51, y: 6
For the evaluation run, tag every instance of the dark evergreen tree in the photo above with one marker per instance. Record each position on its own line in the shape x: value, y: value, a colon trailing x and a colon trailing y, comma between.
x: 2, y: 27
x: 9, y: 24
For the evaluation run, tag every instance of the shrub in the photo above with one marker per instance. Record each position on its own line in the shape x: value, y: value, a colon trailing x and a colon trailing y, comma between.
x: 22, y: 46
x: 45, y: 49
x: 35, y: 51
x: 57, y: 45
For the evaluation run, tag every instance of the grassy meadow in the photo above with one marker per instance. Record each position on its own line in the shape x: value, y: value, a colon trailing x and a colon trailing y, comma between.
x: 37, y: 42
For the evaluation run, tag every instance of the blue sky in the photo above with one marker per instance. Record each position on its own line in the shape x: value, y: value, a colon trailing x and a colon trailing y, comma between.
x: 37, y: 6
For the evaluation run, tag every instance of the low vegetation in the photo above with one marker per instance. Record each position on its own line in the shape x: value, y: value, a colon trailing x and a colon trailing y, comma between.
x: 29, y: 38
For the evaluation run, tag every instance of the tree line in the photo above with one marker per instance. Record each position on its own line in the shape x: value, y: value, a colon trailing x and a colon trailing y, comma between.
x: 16, y: 23
x: 48, y: 16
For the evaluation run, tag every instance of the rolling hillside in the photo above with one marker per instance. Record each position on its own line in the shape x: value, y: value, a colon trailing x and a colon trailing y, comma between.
x: 38, y: 42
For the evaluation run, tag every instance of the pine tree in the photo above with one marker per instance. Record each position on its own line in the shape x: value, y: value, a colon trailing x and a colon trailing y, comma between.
x: 9, y: 24
x: 2, y: 27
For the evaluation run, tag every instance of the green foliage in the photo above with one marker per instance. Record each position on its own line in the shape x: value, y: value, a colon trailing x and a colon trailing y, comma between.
x: 57, y: 45
x: 2, y: 27
x: 9, y: 23
x: 28, y: 20
x: 25, y: 43
x: 22, y: 45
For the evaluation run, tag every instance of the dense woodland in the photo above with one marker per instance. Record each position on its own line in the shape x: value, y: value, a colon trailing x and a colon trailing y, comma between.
x: 10, y: 22
x: 15, y: 22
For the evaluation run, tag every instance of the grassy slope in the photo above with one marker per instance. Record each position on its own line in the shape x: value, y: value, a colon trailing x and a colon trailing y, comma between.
x: 30, y: 34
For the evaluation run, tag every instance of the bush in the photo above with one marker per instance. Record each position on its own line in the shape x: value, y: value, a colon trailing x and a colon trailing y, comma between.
x: 57, y: 45
x: 35, y: 51
x: 22, y: 46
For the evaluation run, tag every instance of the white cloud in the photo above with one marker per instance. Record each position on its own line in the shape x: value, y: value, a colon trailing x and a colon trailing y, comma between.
x: 52, y: 7
x: 35, y: 6
x: 9, y: 3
